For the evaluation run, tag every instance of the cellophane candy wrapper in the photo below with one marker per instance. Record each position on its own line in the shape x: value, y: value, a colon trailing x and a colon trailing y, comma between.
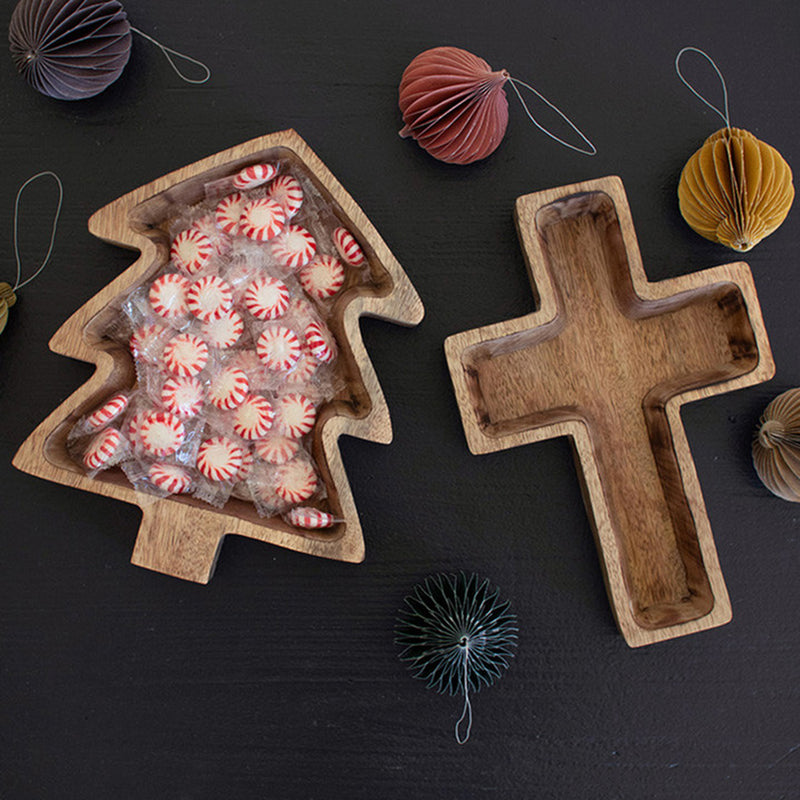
x: 109, y: 411
x: 232, y: 347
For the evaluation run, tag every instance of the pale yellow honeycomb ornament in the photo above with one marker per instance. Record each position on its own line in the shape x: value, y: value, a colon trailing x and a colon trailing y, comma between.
x: 7, y: 299
x: 735, y: 189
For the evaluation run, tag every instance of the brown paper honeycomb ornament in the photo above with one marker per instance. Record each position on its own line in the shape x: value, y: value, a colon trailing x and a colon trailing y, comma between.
x: 776, y: 446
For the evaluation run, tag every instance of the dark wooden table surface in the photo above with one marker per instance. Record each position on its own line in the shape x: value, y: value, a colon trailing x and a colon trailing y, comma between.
x: 280, y: 679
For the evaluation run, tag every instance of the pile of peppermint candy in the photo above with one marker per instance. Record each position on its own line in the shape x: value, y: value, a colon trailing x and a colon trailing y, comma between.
x: 232, y: 350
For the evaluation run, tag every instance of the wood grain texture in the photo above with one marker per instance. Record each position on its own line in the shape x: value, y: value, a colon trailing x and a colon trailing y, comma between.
x: 608, y: 359
x: 181, y: 536
x: 280, y: 678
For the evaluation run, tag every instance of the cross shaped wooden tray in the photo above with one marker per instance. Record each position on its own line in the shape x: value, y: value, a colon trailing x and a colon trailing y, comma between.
x: 180, y: 535
x: 608, y: 359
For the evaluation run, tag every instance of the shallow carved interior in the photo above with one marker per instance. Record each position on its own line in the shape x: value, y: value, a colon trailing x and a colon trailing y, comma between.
x: 151, y: 218
x: 612, y: 361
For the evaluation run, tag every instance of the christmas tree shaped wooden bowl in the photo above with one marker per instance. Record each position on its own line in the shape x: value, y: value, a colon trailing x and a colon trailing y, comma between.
x: 608, y: 359
x: 181, y: 535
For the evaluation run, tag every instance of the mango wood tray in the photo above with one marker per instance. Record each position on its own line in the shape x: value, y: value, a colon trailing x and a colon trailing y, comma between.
x: 608, y: 359
x: 181, y: 536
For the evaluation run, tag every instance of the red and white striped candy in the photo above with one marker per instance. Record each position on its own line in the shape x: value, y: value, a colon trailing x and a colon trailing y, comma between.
x: 279, y: 348
x: 267, y: 298
x: 219, y: 458
x: 296, y: 415
x: 108, y: 411
x: 287, y: 191
x: 228, y: 388
x: 147, y: 341
x: 254, y: 417
x: 276, y: 449
x: 296, y: 481
x: 134, y: 425
x: 229, y: 212
x: 262, y: 220
x: 182, y: 396
x: 320, y: 342
x: 161, y: 433
x: 295, y: 247
x: 185, y: 354
x: 191, y: 251
x: 170, y: 477
x: 247, y: 465
x: 255, y: 175
x: 168, y: 295
x: 220, y: 240
x: 348, y: 247
x: 311, y: 518
x: 102, y: 448
x: 322, y: 277
x: 224, y: 331
x: 209, y: 297
x: 305, y: 367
